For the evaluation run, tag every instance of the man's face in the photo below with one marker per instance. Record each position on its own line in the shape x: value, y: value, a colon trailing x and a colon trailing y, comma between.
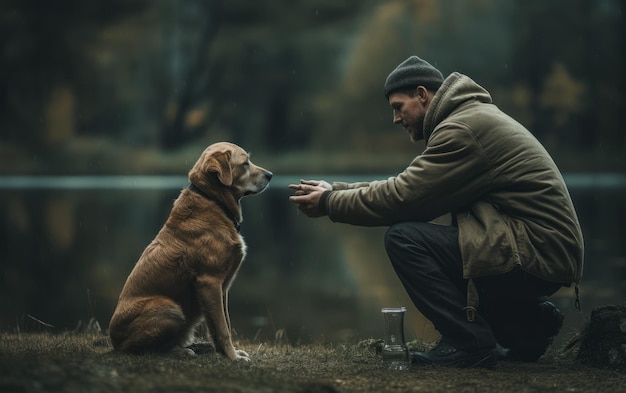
x: 410, y: 112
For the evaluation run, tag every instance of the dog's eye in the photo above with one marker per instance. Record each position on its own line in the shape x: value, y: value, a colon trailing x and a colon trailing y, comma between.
x: 246, y: 164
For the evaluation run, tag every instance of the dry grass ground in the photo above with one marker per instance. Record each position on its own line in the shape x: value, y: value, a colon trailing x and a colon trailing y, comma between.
x: 86, y: 363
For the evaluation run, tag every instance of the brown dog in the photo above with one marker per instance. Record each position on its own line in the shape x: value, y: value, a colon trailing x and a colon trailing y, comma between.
x: 183, y: 276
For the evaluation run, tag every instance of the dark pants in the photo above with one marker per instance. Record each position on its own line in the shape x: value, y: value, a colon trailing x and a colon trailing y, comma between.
x: 428, y: 262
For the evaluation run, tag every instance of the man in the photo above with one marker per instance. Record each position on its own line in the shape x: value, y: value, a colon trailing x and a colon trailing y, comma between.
x: 514, y: 237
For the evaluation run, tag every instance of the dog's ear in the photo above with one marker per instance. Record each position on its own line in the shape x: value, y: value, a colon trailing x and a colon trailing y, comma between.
x: 219, y: 162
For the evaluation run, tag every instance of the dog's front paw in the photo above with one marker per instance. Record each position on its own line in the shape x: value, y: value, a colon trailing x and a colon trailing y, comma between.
x: 242, y: 355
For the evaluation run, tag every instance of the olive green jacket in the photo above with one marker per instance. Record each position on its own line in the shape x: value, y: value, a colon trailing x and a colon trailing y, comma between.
x: 509, y: 199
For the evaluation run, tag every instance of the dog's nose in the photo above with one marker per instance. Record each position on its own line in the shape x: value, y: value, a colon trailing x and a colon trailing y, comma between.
x: 268, y: 175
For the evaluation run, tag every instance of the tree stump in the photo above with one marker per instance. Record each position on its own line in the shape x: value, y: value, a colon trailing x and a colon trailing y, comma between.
x: 603, y: 341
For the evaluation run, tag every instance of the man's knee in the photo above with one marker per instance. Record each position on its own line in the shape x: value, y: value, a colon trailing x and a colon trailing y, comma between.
x: 395, y: 238
x: 398, y: 235
x: 421, y: 243
x: 403, y: 240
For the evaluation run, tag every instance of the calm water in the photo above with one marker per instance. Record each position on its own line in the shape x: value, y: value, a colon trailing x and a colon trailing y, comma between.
x: 68, y: 243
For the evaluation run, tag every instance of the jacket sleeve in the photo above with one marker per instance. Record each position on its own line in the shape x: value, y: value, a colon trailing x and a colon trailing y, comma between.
x: 449, y: 174
x: 338, y: 185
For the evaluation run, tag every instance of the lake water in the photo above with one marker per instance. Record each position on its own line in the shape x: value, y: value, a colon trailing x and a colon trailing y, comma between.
x: 67, y: 245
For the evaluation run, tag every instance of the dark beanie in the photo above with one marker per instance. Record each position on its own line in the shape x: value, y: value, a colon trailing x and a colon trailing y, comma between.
x: 413, y: 72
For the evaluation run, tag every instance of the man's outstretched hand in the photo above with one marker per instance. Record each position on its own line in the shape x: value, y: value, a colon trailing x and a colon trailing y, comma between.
x: 307, y: 196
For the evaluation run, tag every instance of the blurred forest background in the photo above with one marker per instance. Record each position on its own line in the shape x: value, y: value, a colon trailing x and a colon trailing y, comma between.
x: 110, y: 87
x: 141, y: 87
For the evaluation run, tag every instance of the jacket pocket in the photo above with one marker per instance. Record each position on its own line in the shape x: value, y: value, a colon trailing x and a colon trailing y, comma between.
x: 487, y: 242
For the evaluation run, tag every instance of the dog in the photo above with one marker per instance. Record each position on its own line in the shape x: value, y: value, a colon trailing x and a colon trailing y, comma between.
x: 182, y: 278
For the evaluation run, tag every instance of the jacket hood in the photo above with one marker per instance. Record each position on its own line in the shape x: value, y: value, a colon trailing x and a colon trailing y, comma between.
x: 456, y: 90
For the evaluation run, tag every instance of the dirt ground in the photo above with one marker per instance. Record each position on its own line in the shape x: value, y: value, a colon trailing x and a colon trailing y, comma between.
x: 86, y: 363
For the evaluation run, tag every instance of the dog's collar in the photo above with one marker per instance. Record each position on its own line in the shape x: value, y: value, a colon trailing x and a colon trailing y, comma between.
x: 221, y: 204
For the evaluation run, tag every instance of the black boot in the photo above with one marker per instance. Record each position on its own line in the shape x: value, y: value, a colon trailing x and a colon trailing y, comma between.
x: 445, y: 354
x: 545, y: 327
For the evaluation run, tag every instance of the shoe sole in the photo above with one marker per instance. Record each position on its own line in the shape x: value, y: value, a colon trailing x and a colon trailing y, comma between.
x: 489, y: 361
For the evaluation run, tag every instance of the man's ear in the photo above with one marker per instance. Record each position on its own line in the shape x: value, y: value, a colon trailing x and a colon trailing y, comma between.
x: 219, y: 162
x: 421, y: 92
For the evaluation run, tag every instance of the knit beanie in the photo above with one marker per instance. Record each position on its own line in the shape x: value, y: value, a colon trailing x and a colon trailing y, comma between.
x: 413, y: 72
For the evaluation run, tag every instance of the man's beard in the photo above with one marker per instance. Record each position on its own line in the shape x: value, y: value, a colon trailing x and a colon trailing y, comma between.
x: 417, y: 133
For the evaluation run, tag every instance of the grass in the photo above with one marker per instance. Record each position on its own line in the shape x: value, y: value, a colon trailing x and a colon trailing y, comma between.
x: 86, y: 363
